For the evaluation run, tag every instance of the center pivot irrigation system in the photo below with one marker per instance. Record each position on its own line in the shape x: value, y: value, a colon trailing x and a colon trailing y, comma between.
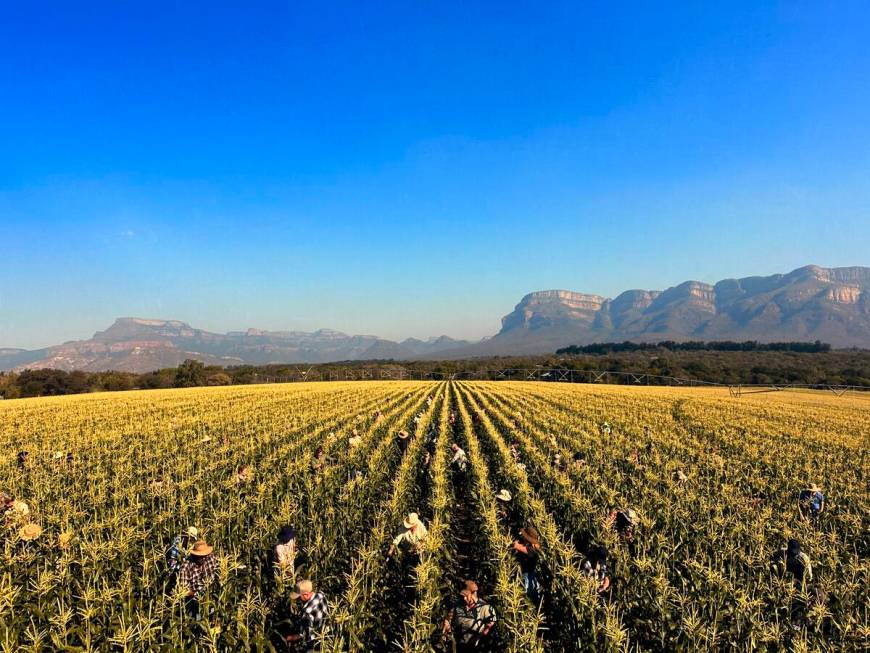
x: 557, y: 375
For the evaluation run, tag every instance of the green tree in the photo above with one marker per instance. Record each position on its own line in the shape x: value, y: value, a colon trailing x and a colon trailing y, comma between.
x: 190, y: 373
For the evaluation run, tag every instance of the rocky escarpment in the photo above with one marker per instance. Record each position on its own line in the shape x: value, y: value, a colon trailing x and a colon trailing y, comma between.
x: 829, y: 304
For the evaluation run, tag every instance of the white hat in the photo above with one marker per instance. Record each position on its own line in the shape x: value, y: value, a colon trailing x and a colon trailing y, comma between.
x: 192, y: 531
x: 503, y: 495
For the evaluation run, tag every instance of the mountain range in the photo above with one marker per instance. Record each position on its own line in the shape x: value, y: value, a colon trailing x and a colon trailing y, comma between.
x: 810, y: 303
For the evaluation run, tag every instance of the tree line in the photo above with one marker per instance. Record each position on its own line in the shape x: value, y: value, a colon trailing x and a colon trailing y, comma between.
x: 781, y: 364
x: 816, y: 347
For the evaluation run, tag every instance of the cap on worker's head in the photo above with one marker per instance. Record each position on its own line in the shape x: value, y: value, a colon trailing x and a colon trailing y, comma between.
x: 287, y: 533
x: 503, y: 495
x: 403, y: 434
x: 794, y: 546
x: 192, y: 531
x: 302, y: 587
x: 413, y: 519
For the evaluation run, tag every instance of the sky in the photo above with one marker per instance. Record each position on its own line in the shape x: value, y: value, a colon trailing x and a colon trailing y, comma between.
x: 413, y: 169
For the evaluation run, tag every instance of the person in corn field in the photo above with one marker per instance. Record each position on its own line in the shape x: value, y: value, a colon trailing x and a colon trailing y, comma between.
x: 404, y: 439
x: 459, y: 462
x: 605, y: 428
x: 243, y: 475
x: 595, y: 566
x: 313, y: 618
x: 811, y: 502
x: 176, y: 554
x: 579, y: 460
x: 470, y: 621
x: 528, y: 552
x: 198, y: 572
x: 623, y: 522
x: 412, y: 538
x: 502, y: 506
x: 282, y: 556
x: 793, y: 561
x: 6, y: 501
x: 22, y: 459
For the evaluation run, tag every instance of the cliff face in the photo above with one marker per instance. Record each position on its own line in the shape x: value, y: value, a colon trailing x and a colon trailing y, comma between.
x: 550, y: 308
x: 829, y: 304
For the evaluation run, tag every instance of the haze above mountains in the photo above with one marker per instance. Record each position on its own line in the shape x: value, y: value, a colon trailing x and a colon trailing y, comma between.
x: 810, y: 303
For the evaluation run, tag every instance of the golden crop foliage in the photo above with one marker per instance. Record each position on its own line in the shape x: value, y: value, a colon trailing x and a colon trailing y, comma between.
x: 714, y: 481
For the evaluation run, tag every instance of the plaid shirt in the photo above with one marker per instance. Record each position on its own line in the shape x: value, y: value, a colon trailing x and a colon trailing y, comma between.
x: 197, y: 577
x: 313, y: 618
x: 470, y: 624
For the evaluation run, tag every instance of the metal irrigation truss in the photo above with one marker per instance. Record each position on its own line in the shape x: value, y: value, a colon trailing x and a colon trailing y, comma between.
x: 557, y: 375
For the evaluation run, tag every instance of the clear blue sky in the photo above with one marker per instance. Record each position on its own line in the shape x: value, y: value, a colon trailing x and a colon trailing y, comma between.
x: 402, y: 169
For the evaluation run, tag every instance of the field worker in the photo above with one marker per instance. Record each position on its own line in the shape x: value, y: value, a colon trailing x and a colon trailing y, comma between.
x: 451, y: 418
x: 312, y: 621
x: 459, y: 462
x: 605, y: 428
x: 22, y: 459
x: 595, y: 567
x: 199, y: 570
x: 176, y: 554
x: 502, y: 505
x: 319, y: 456
x: 793, y: 561
x: 354, y: 440
x: 811, y: 502
x: 6, y: 502
x: 403, y: 438
x: 243, y: 475
x: 471, y: 620
x: 379, y: 417
x: 413, y: 537
x: 623, y: 522
x: 16, y: 512
x: 558, y: 464
x: 283, y: 555
x: 515, y: 451
x: 579, y: 460
x: 528, y: 552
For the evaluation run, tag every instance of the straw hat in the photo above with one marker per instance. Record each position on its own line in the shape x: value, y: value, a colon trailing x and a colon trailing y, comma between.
x: 412, y: 520
x: 58, y: 455
x: 20, y: 508
x: 530, y: 535
x: 404, y: 434
x: 192, y: 531
x: 302, y: 587
x: 30, y: 532
x: 354, y: 441
x: 503, y: 495
x: 201, y: 548
x: 815, y: 488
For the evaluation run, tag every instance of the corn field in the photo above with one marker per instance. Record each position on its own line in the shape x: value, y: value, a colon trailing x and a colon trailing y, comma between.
x: 714, y: 482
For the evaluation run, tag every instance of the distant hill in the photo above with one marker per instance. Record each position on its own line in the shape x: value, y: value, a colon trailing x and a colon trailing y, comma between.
x: 811, y: 303
x: 140, y: 345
